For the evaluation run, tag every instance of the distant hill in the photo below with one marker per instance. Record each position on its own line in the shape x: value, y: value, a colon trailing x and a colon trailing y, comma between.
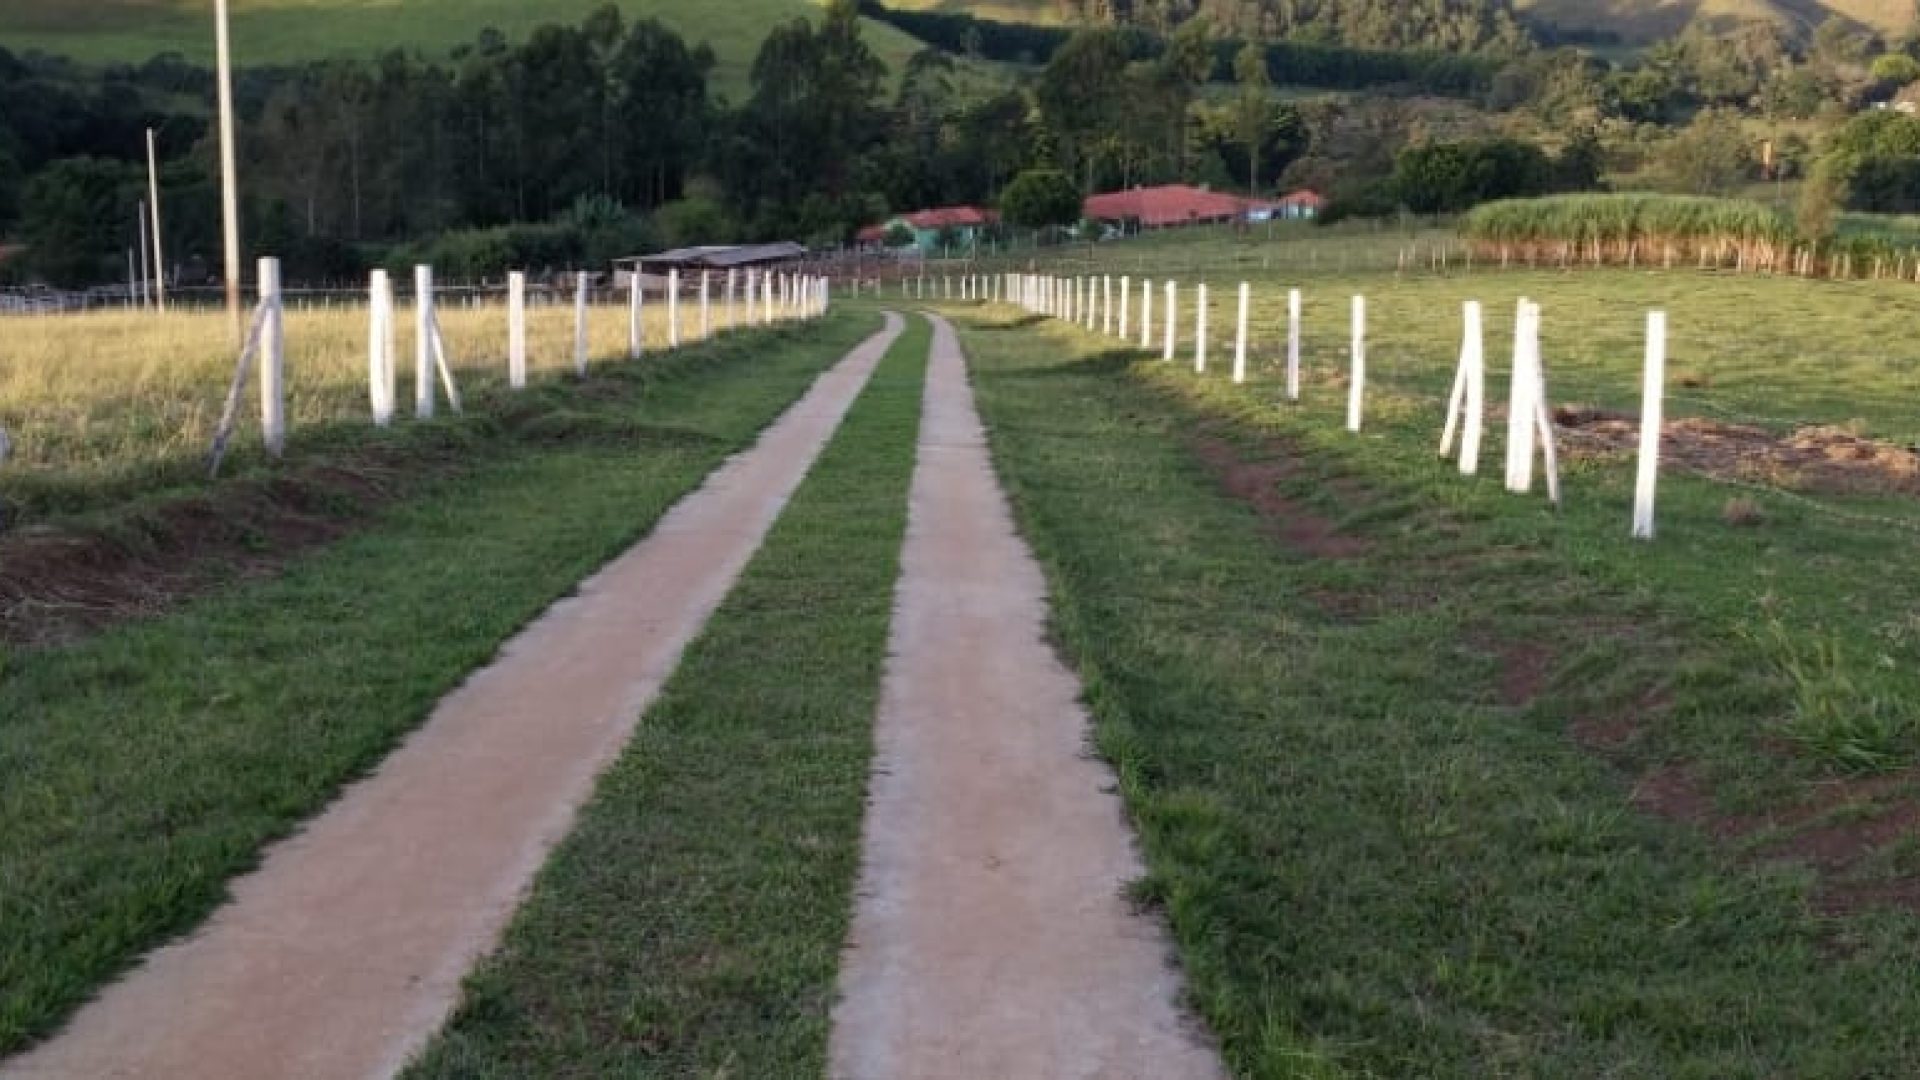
x: 1634, y: 21
x: 280, y: 31
x: 1641, y: 21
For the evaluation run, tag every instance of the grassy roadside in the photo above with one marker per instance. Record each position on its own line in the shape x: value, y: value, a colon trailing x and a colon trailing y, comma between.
x: 691, y: 925
x: 143, y: 767
x: 1380, y: 731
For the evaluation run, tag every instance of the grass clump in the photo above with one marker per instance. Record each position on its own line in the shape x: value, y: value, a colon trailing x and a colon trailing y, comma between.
x: 1843, y: 712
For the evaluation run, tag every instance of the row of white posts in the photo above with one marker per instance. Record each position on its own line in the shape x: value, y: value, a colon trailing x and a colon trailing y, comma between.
x: 1089, y: 302
x: 769, y: 297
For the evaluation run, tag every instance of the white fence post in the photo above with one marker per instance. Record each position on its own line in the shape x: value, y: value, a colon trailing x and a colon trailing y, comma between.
x: 673, y: 309
x: 1146, y: 314
x: 1173, y: 318
x: 380, y: 348
x: 1520, y: 407
x: 636, y: 315
x: 1357, y: 384
x: 1200, y: 330
x: 1468, y: 403
x: 1463, y: 404
x: 1106, y: 304
x: 706, y: 319
x: 1240, y: 337
x: 423, y: 342
x: 732, y: 289
x: 1652, y: 416
x: 517, y: 329
x: 580, y: 323
x: 273, y: 357
x: 1091, y: 314
x: 1126, y: 298
x: 1293, y: 344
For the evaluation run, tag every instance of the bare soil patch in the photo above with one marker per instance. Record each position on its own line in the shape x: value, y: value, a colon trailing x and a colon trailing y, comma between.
x: 59, y: 584
x: 1256, y: 481
x: 1816, y: 458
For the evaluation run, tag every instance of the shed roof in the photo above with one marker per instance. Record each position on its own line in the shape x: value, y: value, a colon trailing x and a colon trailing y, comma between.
x: 719, y: 257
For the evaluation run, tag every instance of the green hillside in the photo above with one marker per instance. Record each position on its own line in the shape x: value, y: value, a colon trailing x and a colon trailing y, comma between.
x: 1650, y: 20
x: 277, y: 31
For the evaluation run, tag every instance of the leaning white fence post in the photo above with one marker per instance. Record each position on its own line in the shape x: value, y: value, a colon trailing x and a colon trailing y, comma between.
x: 1240, y: 337
x: 1653, y: 389
x: 1543, y: 418
x: 1200, y: 330
x: 517, y: 329
x: 1173, y: 314
x: 1357, y: 384
x: 1476, y: 394
x: 1293, y: 344
x: 580, y: 323
x: 1466, y: 402
x: 673, y: 309
x: 273, y: 342
x: 423, y: 342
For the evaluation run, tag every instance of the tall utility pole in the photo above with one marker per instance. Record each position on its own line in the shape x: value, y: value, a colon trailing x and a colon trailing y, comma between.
x: 229, y: 186
x: 153, y: 202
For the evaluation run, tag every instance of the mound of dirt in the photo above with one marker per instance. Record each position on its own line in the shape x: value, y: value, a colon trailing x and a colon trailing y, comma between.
x: 1818, y: 458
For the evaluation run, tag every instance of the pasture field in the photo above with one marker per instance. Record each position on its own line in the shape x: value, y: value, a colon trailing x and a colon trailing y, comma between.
x: 148, y: 761
x: 1435, y: 780
x: 290, y: 31
x: 107, y: 408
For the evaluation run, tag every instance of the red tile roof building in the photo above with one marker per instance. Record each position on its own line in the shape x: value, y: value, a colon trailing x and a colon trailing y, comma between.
x: 1181, y: 204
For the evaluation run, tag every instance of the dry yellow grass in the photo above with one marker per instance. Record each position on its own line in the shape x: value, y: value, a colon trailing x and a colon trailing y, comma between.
x: 103, y: 398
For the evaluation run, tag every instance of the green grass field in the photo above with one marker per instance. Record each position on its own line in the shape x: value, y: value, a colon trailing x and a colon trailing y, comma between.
x: 1435, y: 781
x: 148, y: 763
x: 287, y: 31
